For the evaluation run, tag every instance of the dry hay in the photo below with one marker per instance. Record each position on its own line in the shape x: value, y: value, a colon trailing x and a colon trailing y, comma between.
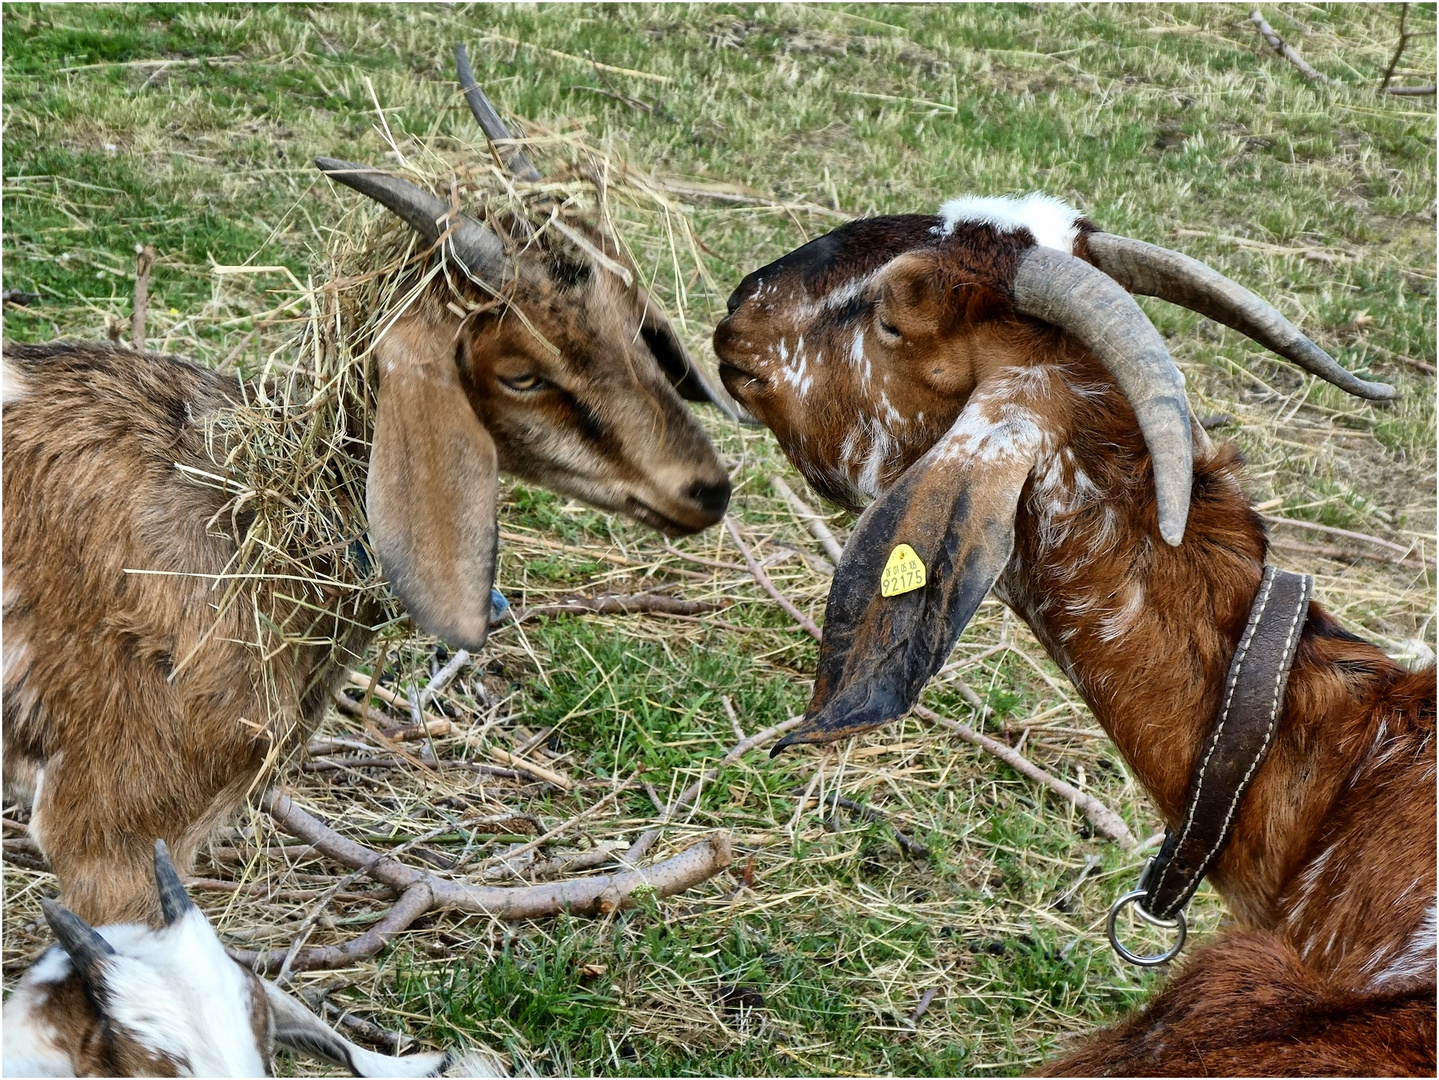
x: 294, y: 455
x: 457, y: 805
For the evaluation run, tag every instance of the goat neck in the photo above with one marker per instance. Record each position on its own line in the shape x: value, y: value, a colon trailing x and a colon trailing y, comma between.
x: 898, y: 361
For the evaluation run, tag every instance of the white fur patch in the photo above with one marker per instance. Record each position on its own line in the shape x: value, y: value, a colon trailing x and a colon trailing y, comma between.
x: 177, y: 993
x: 1415, y: 959
x: 13, y: 386
x: 1053, y: 222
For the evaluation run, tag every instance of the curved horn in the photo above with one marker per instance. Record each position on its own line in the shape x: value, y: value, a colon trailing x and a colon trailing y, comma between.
x: 85, y: 947
x: 174, y: 900
x: 1156, y: 271
x: 1094, y: 307
x: 489, y: 120
x: 479, y: 249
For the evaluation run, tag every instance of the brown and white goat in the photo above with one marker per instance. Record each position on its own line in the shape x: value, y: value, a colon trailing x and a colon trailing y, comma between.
x: 136, y: 1000
x: 984, y: 377
x: 566, y: 377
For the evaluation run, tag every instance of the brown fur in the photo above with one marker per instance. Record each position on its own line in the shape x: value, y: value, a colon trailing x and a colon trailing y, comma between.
x: 1331, y: 870
x: 151, y: 716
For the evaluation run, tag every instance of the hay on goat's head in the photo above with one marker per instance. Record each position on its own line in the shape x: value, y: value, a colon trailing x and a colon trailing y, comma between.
x: 294, y: 454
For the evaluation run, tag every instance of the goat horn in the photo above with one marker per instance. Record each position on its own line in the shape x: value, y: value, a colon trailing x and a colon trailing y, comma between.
x: 479, y: 249
x: 489, y: 120
x: 85, y: 947
x: 1068, y: 292
x: 174, y: 900
x: 1156, y: 271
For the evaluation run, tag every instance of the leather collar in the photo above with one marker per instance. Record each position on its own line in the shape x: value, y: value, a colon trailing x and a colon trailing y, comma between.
x: 1237, y: 743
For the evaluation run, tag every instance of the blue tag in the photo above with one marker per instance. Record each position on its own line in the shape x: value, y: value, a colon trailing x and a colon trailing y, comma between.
x: 498, y: 605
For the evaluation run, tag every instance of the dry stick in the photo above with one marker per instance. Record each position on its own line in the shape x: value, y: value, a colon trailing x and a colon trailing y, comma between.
x: 1403, y: 553
x: 1394, y: 60
x: 816, y: 524
x: 1277, y: 44
x: 436, y: 725
x: 616, y: 604
x: 757, y: 572
x: 647, y: 838
x: 1099, y: 815
x: 144, y: 259
x: 1344, y: 555
x: 910, y: 847
x: 423, y: 892
x: 539, y: 772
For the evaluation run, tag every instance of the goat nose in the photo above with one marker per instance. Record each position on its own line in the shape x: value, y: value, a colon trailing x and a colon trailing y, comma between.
x: 734, y: 299
x: 713, y: 499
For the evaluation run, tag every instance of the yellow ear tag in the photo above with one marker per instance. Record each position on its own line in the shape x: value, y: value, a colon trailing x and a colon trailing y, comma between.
x: 903, y: 573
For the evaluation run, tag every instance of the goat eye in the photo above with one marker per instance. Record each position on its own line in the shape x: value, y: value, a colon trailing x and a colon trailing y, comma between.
x: 888, y: 330
x: 527, y: 381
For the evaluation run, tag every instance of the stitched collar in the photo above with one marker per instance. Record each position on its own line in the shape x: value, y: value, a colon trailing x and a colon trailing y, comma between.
x: 1237, y: 743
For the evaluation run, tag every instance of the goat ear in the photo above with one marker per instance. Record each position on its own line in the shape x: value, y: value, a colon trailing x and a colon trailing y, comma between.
x: 433, y: 479
x: 923, y: 293
x: 684, y: 373
x: 954, y: 508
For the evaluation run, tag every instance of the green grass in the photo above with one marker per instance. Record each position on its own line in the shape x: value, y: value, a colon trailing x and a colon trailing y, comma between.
x: 1166, y: 123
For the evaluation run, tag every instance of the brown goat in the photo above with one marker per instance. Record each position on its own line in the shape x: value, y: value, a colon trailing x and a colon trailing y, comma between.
x: 132, y: 709
x: 985, y: 379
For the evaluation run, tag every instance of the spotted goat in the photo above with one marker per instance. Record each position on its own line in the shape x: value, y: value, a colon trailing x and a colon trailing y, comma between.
x: 985, y: 382
x: 136, y: 1000
x: 564, y: 373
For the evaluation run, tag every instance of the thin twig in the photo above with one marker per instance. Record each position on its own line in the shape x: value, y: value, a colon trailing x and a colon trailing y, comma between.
x: 816, y: 524
x: 910, y: 847
x: 757, y: 572
x: 647, y: 838
x: 1363, y: 538
x: 549, y: 776
x: 443, y: 676
x: 1398, y: 49
x: 144, y: 259
x: 1100, y: 816
x: 1278, y: 45
x: 616, y: 604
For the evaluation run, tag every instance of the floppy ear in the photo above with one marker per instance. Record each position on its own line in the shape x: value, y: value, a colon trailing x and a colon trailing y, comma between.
x: 431, y: 491
x: 955, y: 509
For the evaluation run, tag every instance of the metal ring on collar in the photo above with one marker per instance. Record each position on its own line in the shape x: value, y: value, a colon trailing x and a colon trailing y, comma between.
x: 1168, y: 924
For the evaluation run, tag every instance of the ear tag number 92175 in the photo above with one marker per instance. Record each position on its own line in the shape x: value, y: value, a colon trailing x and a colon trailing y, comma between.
x: 903, y: 573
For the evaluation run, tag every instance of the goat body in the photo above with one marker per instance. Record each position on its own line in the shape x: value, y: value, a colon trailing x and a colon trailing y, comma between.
x: 137, y: 704
x: 892, y: 361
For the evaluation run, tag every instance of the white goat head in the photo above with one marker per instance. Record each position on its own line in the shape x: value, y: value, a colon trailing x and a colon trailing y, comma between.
x: 133, y: 1000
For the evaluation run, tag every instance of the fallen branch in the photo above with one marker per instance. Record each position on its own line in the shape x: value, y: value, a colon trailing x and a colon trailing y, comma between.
x: 758, y: 573
x: 816, y: 524
x: 144, y: 259
x: 1331, y: 551
x: 1404, y: 37
x: 1100, y: 816
x: 1332, y: 530
x: 616, y: 604
x: 423, y: 892
x: 1277, y: 43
